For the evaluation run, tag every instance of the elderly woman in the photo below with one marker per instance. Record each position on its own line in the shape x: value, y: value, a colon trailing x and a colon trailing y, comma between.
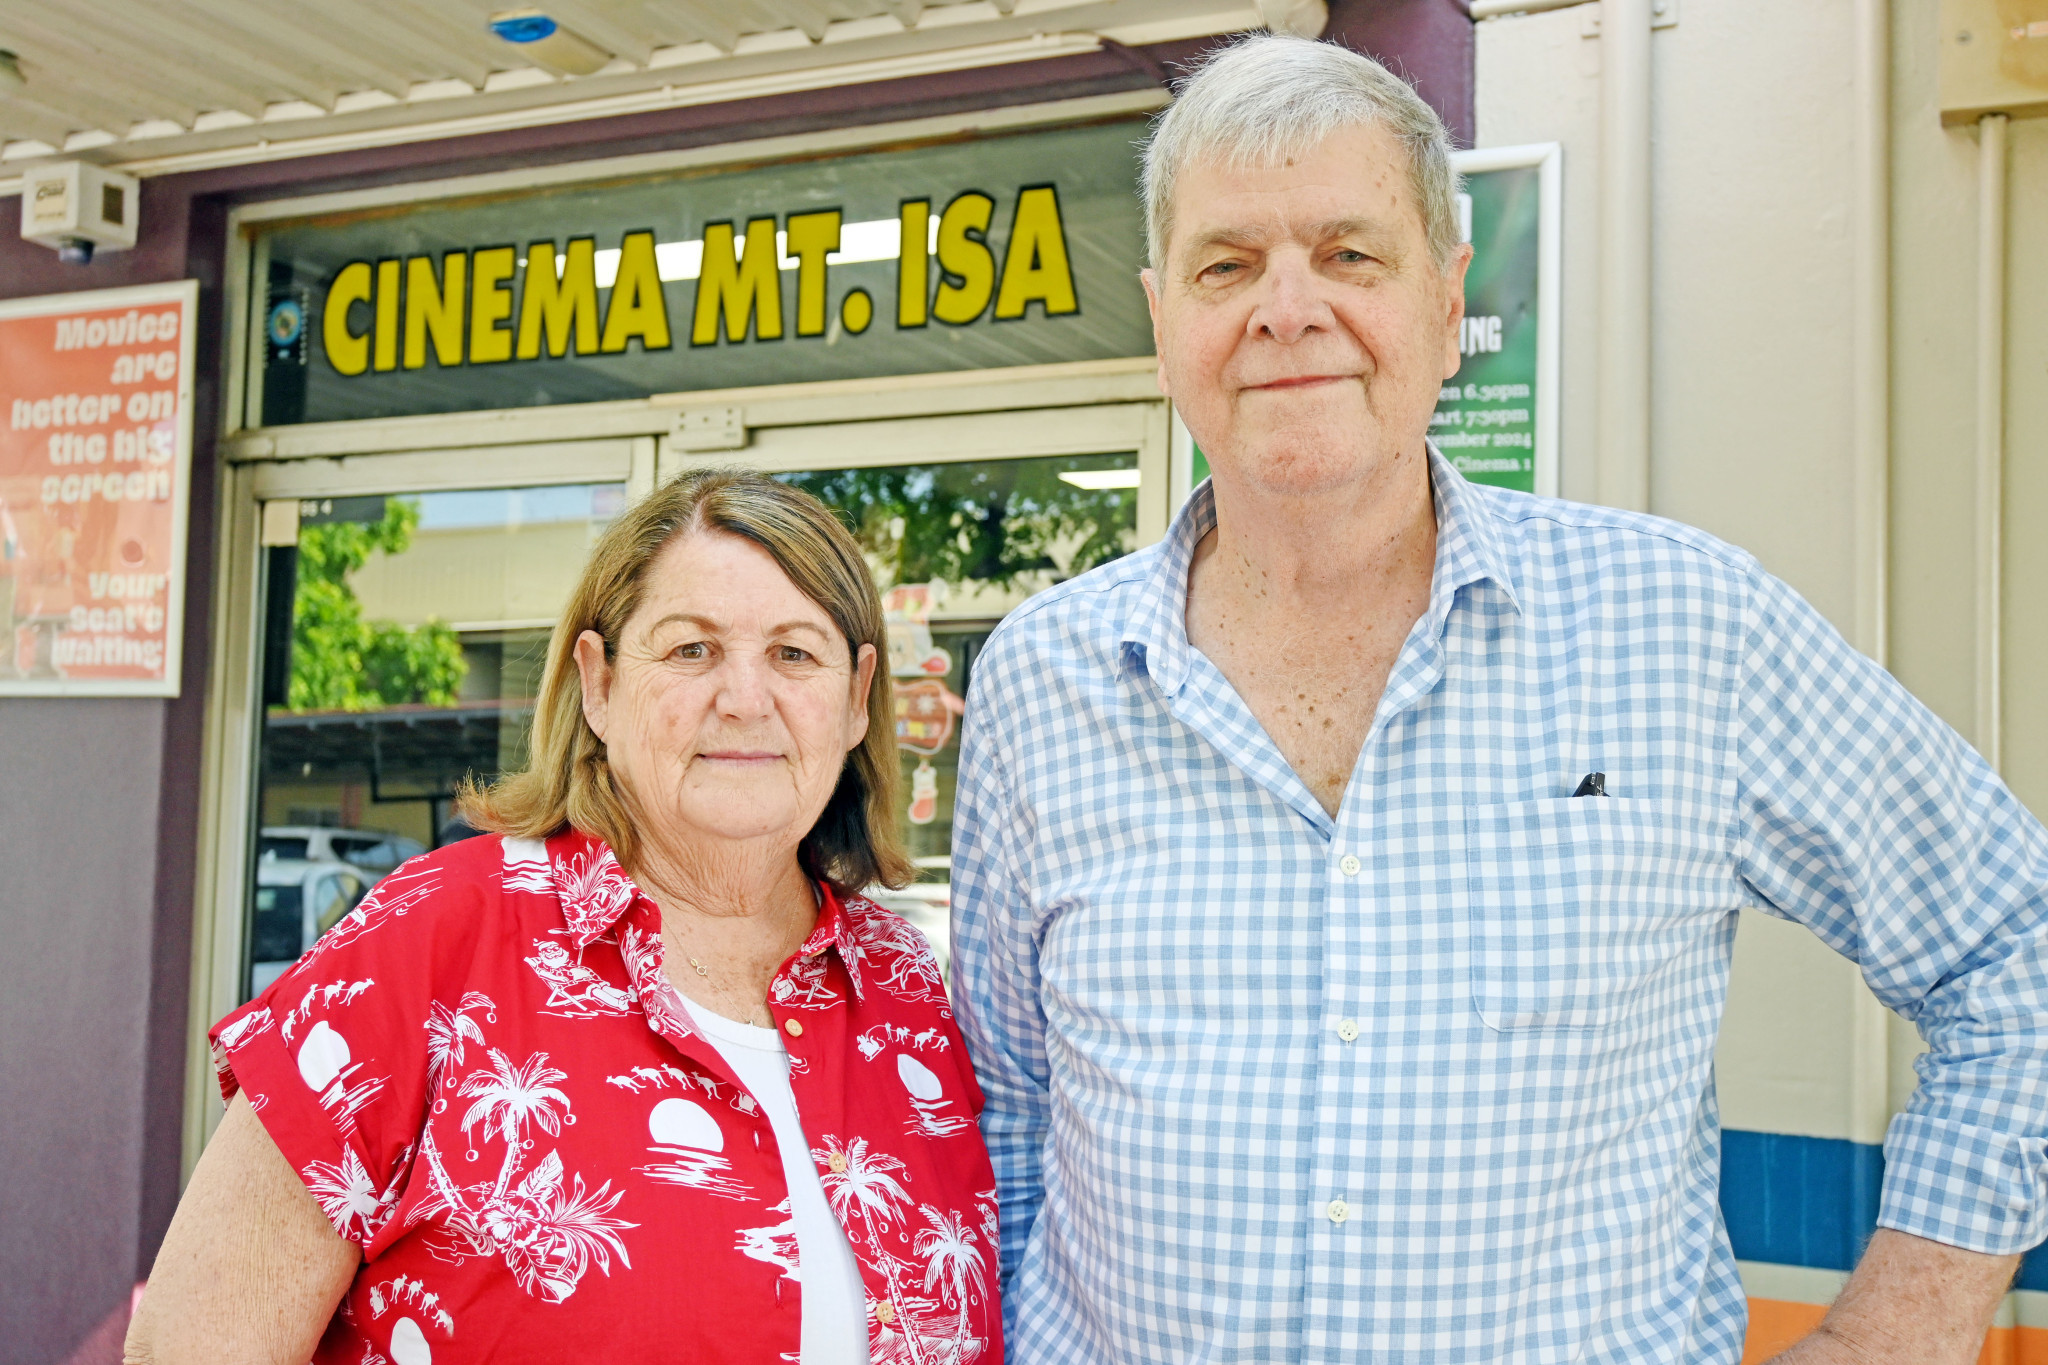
x: 641, y: 1076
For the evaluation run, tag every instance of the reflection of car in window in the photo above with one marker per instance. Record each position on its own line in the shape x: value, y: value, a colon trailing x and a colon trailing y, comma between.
x: 296, y: 902
x: 372, y: 850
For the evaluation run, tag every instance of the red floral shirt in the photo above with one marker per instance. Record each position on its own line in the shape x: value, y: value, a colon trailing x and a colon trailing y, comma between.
x: 488, y: 1084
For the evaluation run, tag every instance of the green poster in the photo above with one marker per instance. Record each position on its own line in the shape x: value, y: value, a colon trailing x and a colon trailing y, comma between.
x: 1489, y: 415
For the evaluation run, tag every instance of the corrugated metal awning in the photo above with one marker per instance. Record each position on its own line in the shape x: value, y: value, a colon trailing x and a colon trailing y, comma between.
x: 160, y: 85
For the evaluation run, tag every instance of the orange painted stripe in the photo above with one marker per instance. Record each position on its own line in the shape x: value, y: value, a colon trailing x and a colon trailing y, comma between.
x: 1775, y: 1324
x: 2015, y: 1346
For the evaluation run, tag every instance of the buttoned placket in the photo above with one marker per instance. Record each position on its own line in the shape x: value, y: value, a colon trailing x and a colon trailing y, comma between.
x: 1344, y: 1189
x: 1340, y: 1205
x: 1339, y: 1185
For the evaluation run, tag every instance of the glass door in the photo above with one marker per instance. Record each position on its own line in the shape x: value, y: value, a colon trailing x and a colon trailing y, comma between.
x: 404, y: 619
x: 954, y: 548
x: 402, y: 650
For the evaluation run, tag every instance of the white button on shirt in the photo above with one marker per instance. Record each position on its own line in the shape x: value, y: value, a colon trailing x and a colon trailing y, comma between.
x: 1145, y: 911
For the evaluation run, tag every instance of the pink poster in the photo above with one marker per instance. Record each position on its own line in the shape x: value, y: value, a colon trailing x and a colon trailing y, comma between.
x: 95, y: 475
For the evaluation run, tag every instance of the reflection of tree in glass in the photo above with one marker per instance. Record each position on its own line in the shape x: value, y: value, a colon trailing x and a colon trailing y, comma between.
x: 340, y: 662
x: 987, y: 520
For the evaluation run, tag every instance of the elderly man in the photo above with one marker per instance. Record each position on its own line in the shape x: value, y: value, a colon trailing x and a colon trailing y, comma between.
x: 1345, y: 886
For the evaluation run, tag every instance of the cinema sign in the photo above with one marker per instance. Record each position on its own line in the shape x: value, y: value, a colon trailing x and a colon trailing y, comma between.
x: 491, y: 304
x: 965, y: 254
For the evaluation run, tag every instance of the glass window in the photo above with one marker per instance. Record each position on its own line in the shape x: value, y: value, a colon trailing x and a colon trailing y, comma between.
x: 275, y: 933
x: 417, y: 627
x: 334, y: 895
x: 403, y: 651
x: 954, y: 548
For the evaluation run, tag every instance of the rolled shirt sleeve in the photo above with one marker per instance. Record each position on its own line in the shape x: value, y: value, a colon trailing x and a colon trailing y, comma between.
x: 335, y: 1055
x: 1870, y: 821
x: 995, y: 977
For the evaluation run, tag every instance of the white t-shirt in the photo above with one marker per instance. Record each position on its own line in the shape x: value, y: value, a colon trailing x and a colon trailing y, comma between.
x: 835, y: 1322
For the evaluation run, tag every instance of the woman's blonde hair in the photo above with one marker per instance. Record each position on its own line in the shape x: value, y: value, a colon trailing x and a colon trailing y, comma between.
x: 568, y: 782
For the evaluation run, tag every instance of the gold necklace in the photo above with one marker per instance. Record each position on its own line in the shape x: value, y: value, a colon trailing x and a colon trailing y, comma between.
x: 702, y: 970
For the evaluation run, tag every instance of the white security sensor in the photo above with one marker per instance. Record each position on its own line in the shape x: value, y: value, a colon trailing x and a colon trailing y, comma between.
x: 79, y: 208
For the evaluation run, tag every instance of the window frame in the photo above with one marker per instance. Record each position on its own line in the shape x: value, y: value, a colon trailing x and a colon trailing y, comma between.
x: 1081, y: 408
x: 1108, y: 408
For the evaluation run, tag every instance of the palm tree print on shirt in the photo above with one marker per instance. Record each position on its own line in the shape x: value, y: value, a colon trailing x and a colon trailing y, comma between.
x: 349, y: 1197
x: 508, y: 1096
x: 861, y: 1186
x: 511, y: 1187
x: 549, y: 1228
x: 952, y: 1265
x: 447, y: 1031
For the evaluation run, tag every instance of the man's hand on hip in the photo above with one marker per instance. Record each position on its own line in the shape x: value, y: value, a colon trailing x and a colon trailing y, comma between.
x: 1910, y: 1302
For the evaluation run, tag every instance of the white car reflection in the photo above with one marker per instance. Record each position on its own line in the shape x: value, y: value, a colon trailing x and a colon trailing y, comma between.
x: 296, y: 902
x: 372, y: 850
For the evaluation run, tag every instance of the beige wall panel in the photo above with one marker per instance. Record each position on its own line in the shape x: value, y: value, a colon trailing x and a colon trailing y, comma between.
x: 1751, y: 293
x: 1752, y: 270
x: 1538, y: 80
x: 1934, y: 271
x: 1752, y: 406
x: 1785, y: 1060
x: 2025, y: 674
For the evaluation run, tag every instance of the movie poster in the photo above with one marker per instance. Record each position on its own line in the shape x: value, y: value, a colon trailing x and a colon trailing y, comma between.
x: 95, y: 477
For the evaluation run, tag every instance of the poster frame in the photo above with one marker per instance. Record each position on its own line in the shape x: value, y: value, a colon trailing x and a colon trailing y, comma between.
x: 1548, y: 159
x: 184, y: 293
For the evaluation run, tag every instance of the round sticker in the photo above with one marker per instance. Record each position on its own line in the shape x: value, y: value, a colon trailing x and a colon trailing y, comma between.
x: 286, y: 321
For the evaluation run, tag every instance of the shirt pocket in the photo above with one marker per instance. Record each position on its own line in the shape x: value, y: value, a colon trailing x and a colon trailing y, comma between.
x: 1576, y: 905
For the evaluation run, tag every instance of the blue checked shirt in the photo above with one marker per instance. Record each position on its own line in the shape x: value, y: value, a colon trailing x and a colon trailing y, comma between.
x: 1433, y: 1080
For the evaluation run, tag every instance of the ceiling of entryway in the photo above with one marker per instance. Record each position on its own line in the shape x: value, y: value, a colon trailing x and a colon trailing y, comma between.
x: 157, y: 85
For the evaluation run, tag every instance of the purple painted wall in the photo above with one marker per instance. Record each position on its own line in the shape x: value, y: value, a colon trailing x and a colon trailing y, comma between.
x: 1428, y: 42
x: 99, y: 798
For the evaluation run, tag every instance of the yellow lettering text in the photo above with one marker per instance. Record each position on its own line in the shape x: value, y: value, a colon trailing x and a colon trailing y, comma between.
x: 387, y: 315
x: 743, y: 285
x: 914, y: 264
x: 346, y: 352
x: 559, y: 309
x: 967, y: 268
x: 1036, y: 267
x: 490, y: 303
x: 812, y: 236
x: 638, y: 307
x: 434, y: 308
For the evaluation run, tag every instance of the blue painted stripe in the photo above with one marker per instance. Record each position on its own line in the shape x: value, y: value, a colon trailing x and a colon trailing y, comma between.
x: 1811, y: 1201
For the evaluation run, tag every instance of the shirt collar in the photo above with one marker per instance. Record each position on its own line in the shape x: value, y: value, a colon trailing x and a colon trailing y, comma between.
x: 834, y: 930
x: 1468, y: 550
x: 1468, y: 541
x: 596, y: 893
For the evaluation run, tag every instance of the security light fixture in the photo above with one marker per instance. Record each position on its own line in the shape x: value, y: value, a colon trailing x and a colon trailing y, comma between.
x: 543, y: 41
x: 78, y: 209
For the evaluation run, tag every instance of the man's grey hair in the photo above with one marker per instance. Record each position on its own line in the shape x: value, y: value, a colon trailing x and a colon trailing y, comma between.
x: 1269, y: 97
